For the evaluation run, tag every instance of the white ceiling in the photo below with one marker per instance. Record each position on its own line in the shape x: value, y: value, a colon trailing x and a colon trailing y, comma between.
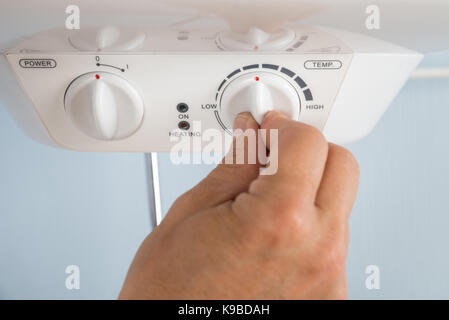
x: 418, y: 24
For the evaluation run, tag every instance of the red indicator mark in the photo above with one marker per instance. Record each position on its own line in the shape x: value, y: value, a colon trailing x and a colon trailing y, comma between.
x: 97, y: 76
x: 256, y: 78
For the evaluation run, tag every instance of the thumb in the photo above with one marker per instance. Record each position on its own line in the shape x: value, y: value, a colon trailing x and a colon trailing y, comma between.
x: 230, y: 178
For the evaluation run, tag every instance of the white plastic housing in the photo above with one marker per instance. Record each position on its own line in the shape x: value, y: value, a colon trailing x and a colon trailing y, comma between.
x: 344, y: 82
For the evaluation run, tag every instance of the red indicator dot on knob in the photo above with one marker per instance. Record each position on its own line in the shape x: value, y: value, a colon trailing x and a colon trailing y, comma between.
x: 97, y: 76
x: 256, y: 78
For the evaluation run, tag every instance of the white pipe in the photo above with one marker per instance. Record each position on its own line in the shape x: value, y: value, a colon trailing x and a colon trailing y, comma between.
x: 430, y: 73
x: 155, y: 194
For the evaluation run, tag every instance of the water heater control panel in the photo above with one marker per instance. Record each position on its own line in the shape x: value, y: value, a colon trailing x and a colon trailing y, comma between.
x: 112, y: 89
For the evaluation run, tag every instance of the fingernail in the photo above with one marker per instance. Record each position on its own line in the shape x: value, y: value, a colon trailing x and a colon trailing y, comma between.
x: 240, y: 122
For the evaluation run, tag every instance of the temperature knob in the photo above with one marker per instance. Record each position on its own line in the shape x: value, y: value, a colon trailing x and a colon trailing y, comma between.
x: 258, y: 93
x: 104, y: 106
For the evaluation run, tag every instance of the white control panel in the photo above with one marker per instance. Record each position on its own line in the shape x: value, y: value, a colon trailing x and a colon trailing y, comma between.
x: 113, y: 89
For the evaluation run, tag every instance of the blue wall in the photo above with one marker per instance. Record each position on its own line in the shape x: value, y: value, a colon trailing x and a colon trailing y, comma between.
x: 59, y: 208
x: 401, y: 218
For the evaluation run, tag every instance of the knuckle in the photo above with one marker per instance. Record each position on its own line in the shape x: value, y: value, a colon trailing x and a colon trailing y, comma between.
x: 284, y: 213
x: 289, y: 221
x: 346, y: 157
x: 183, y: 199
x: 224, y: 175
x: 289, y: 228
x: 301, y: 129
x: 276, y: 223
x: 315, y: 135
x: 306, y: 133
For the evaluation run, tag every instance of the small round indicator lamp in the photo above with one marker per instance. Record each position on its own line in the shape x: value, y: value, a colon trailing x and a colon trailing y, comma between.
x: 184, y: 125
x: 256, y: 78
x: 182, y: 107
x: 97, y: 76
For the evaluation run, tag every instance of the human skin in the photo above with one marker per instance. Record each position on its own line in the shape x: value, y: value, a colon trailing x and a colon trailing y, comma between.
x: 242, y: 235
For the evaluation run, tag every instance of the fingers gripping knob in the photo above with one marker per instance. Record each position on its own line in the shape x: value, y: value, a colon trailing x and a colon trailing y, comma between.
x: 259, y: 93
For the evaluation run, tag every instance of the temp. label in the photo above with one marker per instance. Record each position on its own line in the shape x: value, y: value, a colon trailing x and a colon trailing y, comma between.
x: 37, y: 63
x: 322, y: 64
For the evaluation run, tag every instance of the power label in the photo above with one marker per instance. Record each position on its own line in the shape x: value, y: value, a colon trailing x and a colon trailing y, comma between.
x: 37, y: 63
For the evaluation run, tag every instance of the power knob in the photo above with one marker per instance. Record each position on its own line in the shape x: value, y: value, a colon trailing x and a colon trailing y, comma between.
x: 258, y: 93
x: 104, y: 106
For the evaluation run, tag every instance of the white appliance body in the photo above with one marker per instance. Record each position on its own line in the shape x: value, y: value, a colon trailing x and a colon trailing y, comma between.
x: 344, y: 82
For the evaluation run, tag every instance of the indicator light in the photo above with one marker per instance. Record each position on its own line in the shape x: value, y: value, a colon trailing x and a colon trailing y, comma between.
x: 184, y: 125
x: 182, y: 107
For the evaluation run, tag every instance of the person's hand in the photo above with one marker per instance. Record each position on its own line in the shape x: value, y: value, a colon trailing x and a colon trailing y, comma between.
x: 241, y: 235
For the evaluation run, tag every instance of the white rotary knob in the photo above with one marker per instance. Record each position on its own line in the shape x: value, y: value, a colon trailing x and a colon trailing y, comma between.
x: 104, y: 106
x: 258, y: 93
x: 108, y: 38
x: 257, y: 40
